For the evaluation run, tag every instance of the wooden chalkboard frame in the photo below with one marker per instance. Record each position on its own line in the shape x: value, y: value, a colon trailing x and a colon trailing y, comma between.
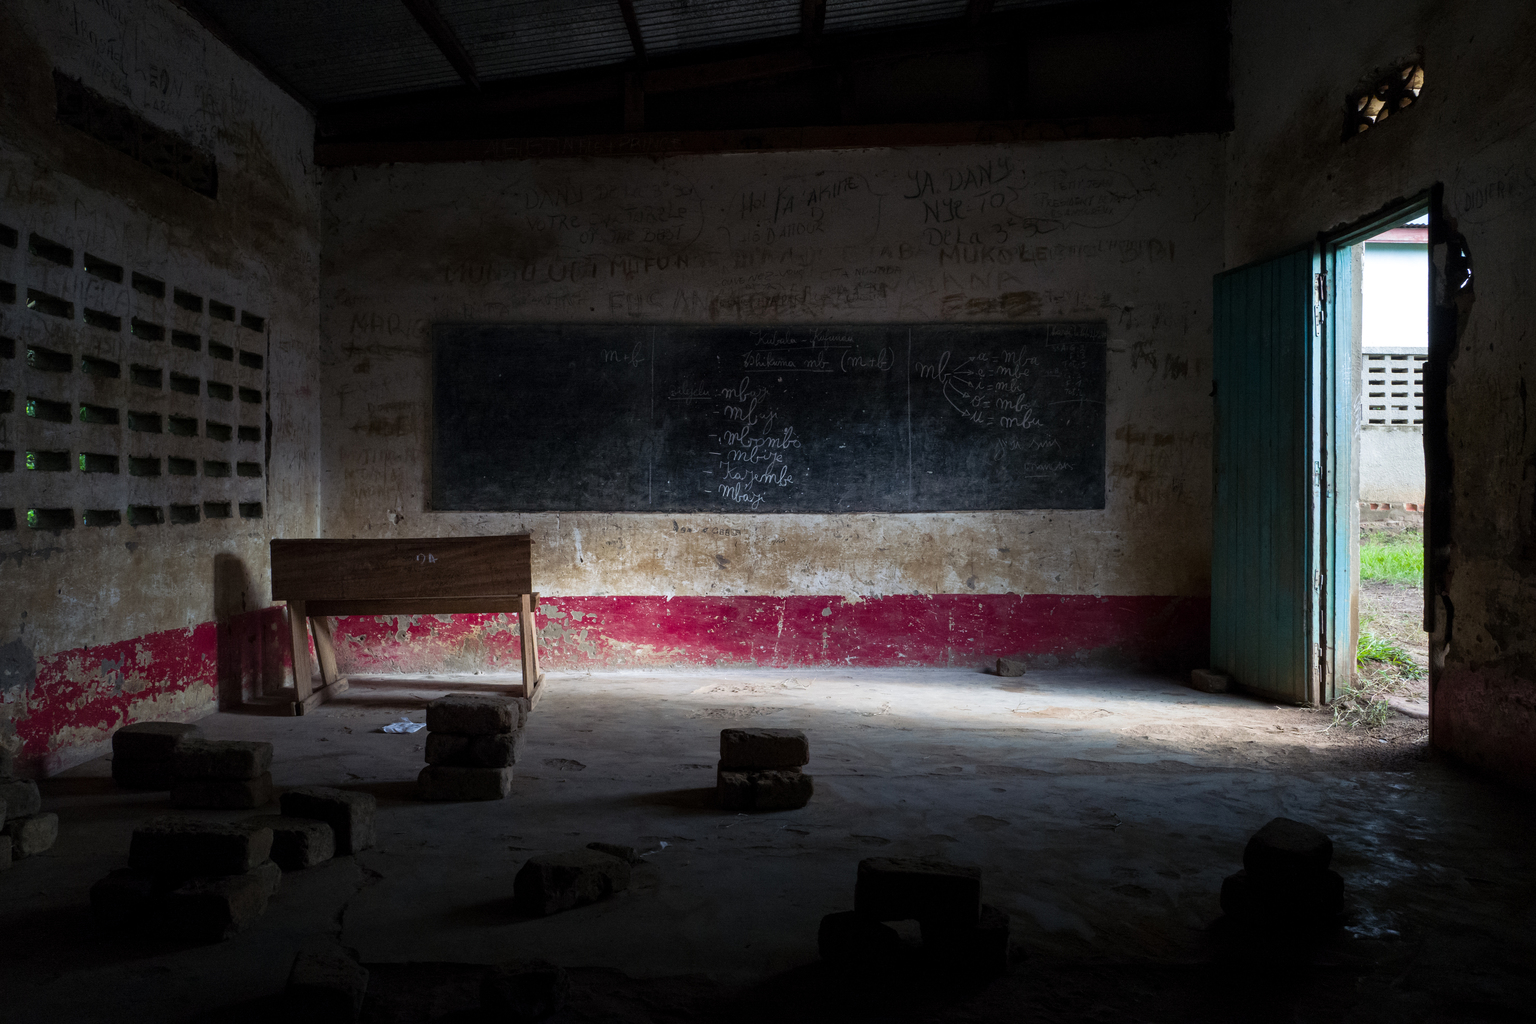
x: 805, y: 419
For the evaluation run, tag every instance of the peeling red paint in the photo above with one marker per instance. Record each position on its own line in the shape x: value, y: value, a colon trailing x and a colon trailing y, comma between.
x: 80, y: 696
x: 923, y: 630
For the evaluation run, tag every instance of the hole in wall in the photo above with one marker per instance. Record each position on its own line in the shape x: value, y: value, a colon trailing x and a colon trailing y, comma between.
x: 143, y: 465
x: 177, y: 466
x: 7, y: 461
x: 8, y: 401
x: 98, y: 414
x: 53, y: 252
x: 1390, y: 94
x: 104, y: 269
x: 217, y: 431
x: 182, y: 426
x: 8, y: 348
x: 51, y: 518
x: 145, y: 515
x: 7, y: 293
x: 250, y: 396
x: 48, y: 360
x: 250, y: 510
x: 51, y: 305
x: 145, y: 376
x: 252, y: 322
x: 8, y: 236
x: 184, y: 514
x: 223, y: 392
x: 7, y: 519
x: 105, y: 321
x: 145, y: 422
x: 102, y: 517
x: 218, y: 351
x: 216, y: 510
x: 48, y: 410
x: 151, y: 286
x: 94, y: 367
x: 147, y: 331
x: 97, y: 462
x: 219, y: 311
x: 188, y: 301
x: 248, y: 469
x: 47, y: 462
x: 215, y: 468
x: 184, y: 384
x: 187, y: 340
x: 250, y: 433
x: 251, y: 359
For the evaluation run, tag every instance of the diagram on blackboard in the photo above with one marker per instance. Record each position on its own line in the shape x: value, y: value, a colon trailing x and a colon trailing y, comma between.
x: 867, y: 418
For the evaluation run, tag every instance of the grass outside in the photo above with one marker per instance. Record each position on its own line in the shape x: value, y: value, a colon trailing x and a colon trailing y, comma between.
x: 1393, y: 557
x: 1392, y: 655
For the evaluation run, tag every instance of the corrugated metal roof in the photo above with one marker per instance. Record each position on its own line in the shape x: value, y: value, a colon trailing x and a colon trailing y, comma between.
x: 874, y: 15
x: 669, y: 26
x: 512, y: 38
x: 339, y: 49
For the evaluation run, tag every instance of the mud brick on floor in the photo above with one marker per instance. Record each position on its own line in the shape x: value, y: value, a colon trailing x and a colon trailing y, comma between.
x: 849, y: 937
x: 1286, y: 849
x: 500, y: 750
x: 476, y: 714
x: 151, y: 741
x: 1011, y: 667
x: 981, y: 949
x: 33, y: 834
x: 783, y: 789
x: 297, y: 843
x: 21, y: 798
x: 1209, y: 681
x: 222, y: 794
x: 444, y: 782
x: 749, y: 749
x: 350, y: 814
x: 211, y: 909
x: 222, y: 759
x: 903, y: 888
x: 189, y: 846
x: 550, y: 882
x: 325, y: 987
x: 524, y: 990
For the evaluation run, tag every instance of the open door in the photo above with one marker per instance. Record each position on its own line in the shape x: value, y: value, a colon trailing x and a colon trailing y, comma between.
x: 1281, y: 551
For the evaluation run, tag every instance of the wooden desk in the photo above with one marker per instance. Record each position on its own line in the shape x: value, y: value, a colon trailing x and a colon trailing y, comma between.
x: 322, y: 578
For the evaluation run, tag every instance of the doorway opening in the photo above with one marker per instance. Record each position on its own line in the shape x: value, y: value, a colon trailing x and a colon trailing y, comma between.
x: 1388, y: 277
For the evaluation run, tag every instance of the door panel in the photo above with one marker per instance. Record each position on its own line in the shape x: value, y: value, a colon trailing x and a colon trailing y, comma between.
x: 1264, y: 617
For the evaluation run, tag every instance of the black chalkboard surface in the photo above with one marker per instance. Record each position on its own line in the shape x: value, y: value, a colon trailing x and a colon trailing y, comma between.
x: 871, y: 418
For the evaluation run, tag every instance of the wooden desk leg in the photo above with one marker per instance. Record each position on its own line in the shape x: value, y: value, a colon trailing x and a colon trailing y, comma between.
x: 298, y: 633
x: 528, y: 642
x: 325, y: 648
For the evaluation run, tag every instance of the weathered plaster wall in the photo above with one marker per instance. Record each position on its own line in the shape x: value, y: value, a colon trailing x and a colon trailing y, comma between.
x: 1129, y: 232
x: 1289, y: 176
x: 100, y: 626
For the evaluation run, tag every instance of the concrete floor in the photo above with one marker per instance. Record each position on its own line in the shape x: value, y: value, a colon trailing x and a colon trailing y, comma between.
x: 1103, y: 808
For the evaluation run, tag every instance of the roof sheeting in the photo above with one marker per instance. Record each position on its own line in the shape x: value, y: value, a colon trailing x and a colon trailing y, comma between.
x: 671, y: 26
x: 514, y: 38
x: 875, y: 15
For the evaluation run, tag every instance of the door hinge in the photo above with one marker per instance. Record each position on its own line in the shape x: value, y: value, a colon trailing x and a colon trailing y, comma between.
x: 1322, y: 289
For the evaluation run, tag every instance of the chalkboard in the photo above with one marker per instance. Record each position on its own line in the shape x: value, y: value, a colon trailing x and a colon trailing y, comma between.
x: 869, y: 418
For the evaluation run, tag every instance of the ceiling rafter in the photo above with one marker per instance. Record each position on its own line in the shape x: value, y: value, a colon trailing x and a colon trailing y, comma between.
x: 627, y: 7
x: 813, y: 17
x: 432, y: 22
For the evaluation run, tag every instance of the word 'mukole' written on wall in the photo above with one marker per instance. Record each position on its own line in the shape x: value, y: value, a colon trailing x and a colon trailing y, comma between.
x: 884, y: 418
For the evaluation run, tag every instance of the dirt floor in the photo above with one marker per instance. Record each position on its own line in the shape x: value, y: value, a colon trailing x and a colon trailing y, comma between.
x: 1104, y: 809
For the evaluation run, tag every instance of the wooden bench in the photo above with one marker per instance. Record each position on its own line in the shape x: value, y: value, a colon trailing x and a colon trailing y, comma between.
x: 322, y: 578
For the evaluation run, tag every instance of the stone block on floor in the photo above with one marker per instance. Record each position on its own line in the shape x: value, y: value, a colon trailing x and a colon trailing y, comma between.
x: 783, y: 789
x: 349, y: 813
x: 476, y: 714
x: 222, y: 759
x: 297, y: 843
x: 33, y: 834
x: 325, y: 988
x: 222, y: 794
x: 551, y: 882
x: 499, y: 750
x: 524, y: 991
x: 748, y: 749
x: 147, y: 775
x: 851, y: 938
x: 981, y: 949
x: 216, y: 908
x: 189, y: 846
x: 1287, y: 849
x: 21, y: 798
x: 1209, y: 681
x: 1010, y: 667
x: 903, y: 888
x: 443, y: 782
x: 627, y: 854
x: 151, y: 741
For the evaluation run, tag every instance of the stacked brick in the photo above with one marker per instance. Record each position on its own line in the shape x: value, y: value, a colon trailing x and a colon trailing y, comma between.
x: 548, y: 883
x: 28, y: 830
x: 759, y: 770
x: 1285, y: 884
x: 473, y: 740
x: 960, y: 933
x: 222, y: 774
x: 190, y: 879
x: 144, y: 754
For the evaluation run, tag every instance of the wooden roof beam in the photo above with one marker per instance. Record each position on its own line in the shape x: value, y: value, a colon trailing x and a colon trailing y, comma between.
x: 627, y: 7
x: 431, y: 21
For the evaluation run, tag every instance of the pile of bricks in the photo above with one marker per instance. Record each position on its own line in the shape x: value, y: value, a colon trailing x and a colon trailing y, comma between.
x: 959, y: 932
x: 144, y: 754
x: 28, y: 830
x: 1285, y: 884
x: 190, y: 879
x: 759, y: 770
x: 222, y: 774
x: 548, y: 883
x: 473, y: 740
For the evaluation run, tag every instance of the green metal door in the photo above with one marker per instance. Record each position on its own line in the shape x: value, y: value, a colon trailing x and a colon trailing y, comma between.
x: 1282, y: 454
